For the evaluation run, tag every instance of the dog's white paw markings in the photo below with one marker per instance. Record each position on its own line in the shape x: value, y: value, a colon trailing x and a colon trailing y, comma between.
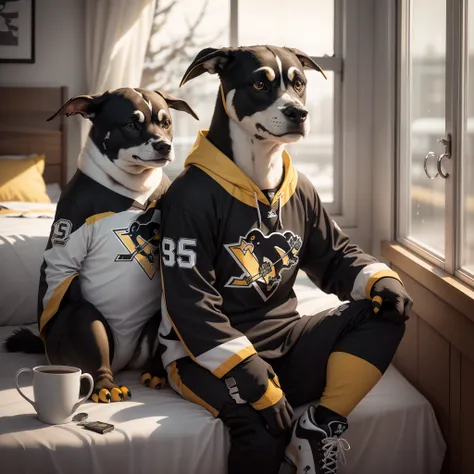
x: 61, y: 231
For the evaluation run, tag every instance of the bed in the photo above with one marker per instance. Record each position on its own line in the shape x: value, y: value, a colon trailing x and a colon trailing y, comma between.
x: 393, y: 430
x: 25, y: 226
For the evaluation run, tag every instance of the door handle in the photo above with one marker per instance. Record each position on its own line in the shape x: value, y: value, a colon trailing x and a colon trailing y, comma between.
x: 439, y: 159
x: 425, y: 165
x: 447, y: 154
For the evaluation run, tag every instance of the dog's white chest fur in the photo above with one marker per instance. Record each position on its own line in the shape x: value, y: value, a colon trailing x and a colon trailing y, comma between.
x: 137, y: 186
x: 261, y: 161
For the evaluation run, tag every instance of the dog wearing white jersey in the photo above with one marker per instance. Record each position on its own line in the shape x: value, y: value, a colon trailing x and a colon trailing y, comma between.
x: 100, y: 279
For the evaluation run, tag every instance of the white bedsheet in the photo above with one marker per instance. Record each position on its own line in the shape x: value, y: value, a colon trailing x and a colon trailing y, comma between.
x: 22, y: 243
x: 393, y: 430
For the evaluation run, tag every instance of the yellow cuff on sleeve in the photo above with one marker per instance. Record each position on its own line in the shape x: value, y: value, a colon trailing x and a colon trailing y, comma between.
x: 54, y: 302
x: 272, y: 395
x: 233, y: 361
x: 378, y: 276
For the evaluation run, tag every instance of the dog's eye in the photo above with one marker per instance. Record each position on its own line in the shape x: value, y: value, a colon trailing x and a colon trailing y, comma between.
x: 298, y: 85
x: 259, y: 85
x: 166, y: 123
x: 131, y: 126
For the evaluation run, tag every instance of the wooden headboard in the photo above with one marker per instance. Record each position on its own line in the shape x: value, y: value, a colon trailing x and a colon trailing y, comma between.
x: 24, y: 129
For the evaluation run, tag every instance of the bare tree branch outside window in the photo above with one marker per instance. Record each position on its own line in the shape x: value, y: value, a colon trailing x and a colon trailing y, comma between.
x: 165, y: 62
x: 182, y: 28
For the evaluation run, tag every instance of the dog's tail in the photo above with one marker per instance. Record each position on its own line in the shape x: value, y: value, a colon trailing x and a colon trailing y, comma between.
x: 23, y: 340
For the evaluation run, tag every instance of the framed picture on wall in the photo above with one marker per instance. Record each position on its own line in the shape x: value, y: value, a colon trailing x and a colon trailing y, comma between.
x: 17, y: 31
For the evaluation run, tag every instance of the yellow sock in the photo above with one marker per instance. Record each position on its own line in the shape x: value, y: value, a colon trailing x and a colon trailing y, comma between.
x: 349, y: 378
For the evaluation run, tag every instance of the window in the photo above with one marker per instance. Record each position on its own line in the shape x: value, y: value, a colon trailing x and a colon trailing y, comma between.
x: 183, y: 28
x: 435, y: 215
x: 467, y: 196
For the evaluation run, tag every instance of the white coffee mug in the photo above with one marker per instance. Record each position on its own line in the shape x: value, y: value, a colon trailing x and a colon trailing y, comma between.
x: 56, y: 392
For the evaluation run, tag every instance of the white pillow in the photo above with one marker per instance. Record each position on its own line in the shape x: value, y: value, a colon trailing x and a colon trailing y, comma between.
x: 53, y: 190
x: 22, y: 244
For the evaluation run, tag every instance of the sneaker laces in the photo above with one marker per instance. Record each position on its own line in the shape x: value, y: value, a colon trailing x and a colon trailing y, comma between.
x: 333, y: 453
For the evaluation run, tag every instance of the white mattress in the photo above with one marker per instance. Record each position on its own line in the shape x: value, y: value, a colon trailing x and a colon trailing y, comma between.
x: 393, y: 430
x: 22, y: 243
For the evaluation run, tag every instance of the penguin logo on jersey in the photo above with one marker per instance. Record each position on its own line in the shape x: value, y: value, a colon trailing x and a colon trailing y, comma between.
x: 263, y: 258
x: 141, y: 239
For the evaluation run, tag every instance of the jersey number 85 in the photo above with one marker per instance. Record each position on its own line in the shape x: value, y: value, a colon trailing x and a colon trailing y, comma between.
x: 182, y: 253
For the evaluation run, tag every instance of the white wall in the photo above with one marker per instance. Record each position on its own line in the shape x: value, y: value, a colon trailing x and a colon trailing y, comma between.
x: 60, y: 59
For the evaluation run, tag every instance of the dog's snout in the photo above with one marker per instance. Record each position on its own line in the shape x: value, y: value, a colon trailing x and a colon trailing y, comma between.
x: 161, y: 147
x: 295, y: 114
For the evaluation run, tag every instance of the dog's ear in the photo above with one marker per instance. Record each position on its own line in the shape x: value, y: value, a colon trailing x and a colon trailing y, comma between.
x: 178, y: 104
x: 85, y: 105
x: 209, y: 60
x: 306, y: 61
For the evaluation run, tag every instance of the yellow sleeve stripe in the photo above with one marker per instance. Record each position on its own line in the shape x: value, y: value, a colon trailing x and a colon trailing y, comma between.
x: 377, y: 303
x: 272, y: 395
x: 53, y: 304
x: 186, y: 392
x: 97, y: 217
x: 377, y: 276
x: 234, y: 360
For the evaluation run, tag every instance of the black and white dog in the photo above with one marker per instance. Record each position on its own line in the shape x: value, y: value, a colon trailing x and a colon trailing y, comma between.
x: 264, y: 221
x: 261, y: 105
x: 100, y: 279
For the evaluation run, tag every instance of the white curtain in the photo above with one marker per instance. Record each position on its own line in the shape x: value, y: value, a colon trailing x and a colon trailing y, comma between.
x: 117, y: 34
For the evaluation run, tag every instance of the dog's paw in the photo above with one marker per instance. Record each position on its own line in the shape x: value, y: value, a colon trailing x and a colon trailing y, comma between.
x: 153, y: 381
x: 110, y: 393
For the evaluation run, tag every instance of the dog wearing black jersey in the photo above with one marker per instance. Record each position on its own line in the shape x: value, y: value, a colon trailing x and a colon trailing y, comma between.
x: 100, y: 284
x: 237, y: 226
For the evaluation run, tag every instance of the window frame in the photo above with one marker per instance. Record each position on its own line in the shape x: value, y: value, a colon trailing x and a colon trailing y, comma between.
x: 347, y: 68
x: 332, y: 63
x: 403, y: 203
x: 455, y: 113
x: 461, y: 16
x: 353, y: 62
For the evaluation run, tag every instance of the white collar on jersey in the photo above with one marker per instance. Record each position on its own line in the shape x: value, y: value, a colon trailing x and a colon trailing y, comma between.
x: 99, y: 168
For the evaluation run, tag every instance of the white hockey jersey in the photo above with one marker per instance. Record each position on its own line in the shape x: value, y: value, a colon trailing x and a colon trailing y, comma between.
x: 111, y: 243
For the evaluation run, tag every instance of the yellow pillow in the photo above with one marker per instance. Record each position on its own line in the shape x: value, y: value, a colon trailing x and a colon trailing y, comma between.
x: 22, y: 180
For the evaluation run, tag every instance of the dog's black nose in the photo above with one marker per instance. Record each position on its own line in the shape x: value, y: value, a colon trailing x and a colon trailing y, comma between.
x: 295, y: 114
x: 163, y: 148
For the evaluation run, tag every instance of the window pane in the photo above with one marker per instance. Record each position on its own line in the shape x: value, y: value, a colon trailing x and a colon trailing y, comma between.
x: 467, y: 248
x: 425, y: 207
x: 306, y: 24
x: 170, y: 51
x: 314, y: 154
x: 188, y: 27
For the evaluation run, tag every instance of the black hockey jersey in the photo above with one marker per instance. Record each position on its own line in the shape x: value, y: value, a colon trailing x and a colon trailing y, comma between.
x: 230, y: 258
x: 111, y: 242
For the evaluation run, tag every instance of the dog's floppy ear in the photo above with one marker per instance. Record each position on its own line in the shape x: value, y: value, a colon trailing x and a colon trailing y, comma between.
x: 306, y: 61
x: 209, y: 60
x: 178, y: 104
x: 85, y: 105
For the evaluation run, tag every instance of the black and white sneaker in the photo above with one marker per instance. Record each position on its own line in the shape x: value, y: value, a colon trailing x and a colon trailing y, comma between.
x: 317, y: 448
